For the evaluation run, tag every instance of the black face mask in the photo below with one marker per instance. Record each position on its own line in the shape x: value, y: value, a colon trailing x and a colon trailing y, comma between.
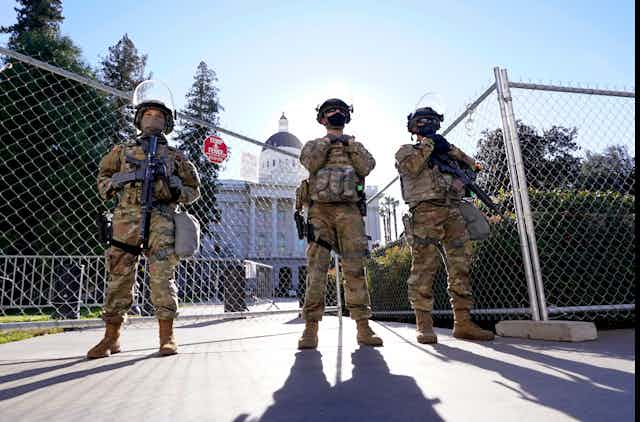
x: 428, y: 129
x: 337, y: 120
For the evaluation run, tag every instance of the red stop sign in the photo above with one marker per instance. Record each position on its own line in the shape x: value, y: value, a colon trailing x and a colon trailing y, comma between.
x: 215, y: 149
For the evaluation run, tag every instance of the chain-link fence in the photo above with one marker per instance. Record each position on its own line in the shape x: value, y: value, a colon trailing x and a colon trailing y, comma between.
x: 563, y: 172
x: 560, y: 161
x: 55, y: 126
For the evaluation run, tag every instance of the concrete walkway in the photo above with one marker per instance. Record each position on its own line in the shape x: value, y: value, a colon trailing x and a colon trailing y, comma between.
x: 250, y: 370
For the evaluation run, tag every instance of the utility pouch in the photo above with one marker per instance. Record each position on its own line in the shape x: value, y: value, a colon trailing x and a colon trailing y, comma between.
x: 187, y: 234
x: 476, y: 222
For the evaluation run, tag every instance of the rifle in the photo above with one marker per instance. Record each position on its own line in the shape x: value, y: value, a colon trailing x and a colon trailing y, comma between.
x: 148, y: 169
x: 448, y: 165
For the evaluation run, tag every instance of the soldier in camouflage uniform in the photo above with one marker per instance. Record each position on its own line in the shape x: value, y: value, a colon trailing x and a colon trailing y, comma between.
x: 435, y: 227
x: 337, y: 166
x: 181, y: 185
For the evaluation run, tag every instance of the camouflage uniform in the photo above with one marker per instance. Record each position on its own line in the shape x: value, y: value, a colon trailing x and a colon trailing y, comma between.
x: 435, y: 222
x: 122, y: 265
x: 337, y: 223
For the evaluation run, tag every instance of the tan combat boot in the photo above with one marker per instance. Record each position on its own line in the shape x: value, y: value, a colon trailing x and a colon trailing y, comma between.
x: 109, y: 344
x: 366, y: 335
x: 424, y: 328
x: 464, y: 328
x: 309, y: 339
x: 168, y: 345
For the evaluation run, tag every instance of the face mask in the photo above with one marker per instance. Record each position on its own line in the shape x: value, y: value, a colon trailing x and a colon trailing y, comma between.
x: 428, y: 130
x: 337, y: 120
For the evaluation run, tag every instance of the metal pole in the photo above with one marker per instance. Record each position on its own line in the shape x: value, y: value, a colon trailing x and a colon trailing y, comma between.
x: 524, y: 194
x: 395, y: 220
x: 338, y: 298
x: 524, y: 244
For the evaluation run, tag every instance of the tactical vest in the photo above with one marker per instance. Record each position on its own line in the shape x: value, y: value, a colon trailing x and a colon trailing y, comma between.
x: 430, y: 185
x: 130, y: 194
x: 336, y: 181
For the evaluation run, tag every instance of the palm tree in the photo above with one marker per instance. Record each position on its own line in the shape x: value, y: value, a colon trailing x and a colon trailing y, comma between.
x: 390, y: 204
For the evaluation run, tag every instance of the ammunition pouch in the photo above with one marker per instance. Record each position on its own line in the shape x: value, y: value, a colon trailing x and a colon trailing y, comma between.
x: 334, y: 184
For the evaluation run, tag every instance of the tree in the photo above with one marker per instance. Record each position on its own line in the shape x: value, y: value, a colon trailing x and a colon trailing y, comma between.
x: 390, y: 206
x: 43, y: 16
x: 202, y: 103
x: 548, y: 158
x: 612, y: 170
x: 124, y: 69
x: 52, y: 134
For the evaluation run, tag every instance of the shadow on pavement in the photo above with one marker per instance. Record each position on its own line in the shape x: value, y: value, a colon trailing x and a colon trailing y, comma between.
x: 372, y: 393
x: 12, y: 392
x: 580, y: 390
x: 207, y: 323
x: 37, y: 371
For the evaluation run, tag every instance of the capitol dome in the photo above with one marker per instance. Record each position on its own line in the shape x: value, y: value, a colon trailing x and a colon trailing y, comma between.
x: 277, y: 168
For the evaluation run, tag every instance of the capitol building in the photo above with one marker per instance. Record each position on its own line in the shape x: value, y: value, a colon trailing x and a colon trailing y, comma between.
x: 256, y: 222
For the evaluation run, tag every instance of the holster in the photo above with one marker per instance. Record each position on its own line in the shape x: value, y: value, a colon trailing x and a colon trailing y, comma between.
x: 105, y: 234
x: 105, y: 231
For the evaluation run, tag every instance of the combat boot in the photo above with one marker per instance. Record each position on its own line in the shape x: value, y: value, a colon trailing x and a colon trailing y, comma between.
x: 309, y: 339
x: 366, y: 335
x: 464, y: 328
x: 168, y: 345
x: 424, y: 328
x: 109, y: 344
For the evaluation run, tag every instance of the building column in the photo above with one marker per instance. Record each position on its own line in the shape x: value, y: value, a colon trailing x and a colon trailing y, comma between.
x: 274, y: 226
x: 252, y: 227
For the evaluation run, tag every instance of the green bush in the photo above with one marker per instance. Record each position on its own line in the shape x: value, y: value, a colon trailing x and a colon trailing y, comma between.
x: 586, y: 245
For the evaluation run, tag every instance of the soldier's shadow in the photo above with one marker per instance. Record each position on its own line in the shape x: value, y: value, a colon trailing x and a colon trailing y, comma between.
x: 372, y: 393
x: 84, y: 372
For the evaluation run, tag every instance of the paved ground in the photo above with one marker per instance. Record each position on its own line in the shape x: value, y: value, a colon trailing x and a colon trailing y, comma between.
x: 249, y: 370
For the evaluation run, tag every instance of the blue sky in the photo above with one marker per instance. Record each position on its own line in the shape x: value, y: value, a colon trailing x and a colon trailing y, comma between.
x: 272, y: 57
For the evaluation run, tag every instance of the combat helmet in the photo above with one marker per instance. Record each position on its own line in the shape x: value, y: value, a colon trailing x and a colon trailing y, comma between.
x: 154, y: 94
x: 334, y: 103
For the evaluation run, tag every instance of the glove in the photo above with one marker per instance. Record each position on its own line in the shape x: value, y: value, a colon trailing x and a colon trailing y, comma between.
x: 440, y: 144
x: 119, y: 179
x: 344, y: 139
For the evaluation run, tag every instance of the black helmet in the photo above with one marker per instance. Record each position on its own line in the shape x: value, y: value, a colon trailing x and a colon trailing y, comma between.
x: 334, y: 103
x: 142, y: 107
x: 421, y: 112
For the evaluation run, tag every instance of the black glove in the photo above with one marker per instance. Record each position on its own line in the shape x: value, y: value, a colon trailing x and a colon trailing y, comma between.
x: 119, y: 179
x: 344, y: 139
x: 440, y: 144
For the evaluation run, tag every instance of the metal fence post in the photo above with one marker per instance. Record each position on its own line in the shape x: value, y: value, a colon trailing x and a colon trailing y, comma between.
x: 503, y: 101
x: 524, y: 193
x: 338, y: 298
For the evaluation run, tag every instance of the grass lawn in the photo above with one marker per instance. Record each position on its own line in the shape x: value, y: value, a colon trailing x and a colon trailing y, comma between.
x: 8, y: 336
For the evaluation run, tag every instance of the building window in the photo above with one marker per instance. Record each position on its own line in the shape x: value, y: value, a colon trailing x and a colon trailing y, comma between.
x: 274, y: 163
